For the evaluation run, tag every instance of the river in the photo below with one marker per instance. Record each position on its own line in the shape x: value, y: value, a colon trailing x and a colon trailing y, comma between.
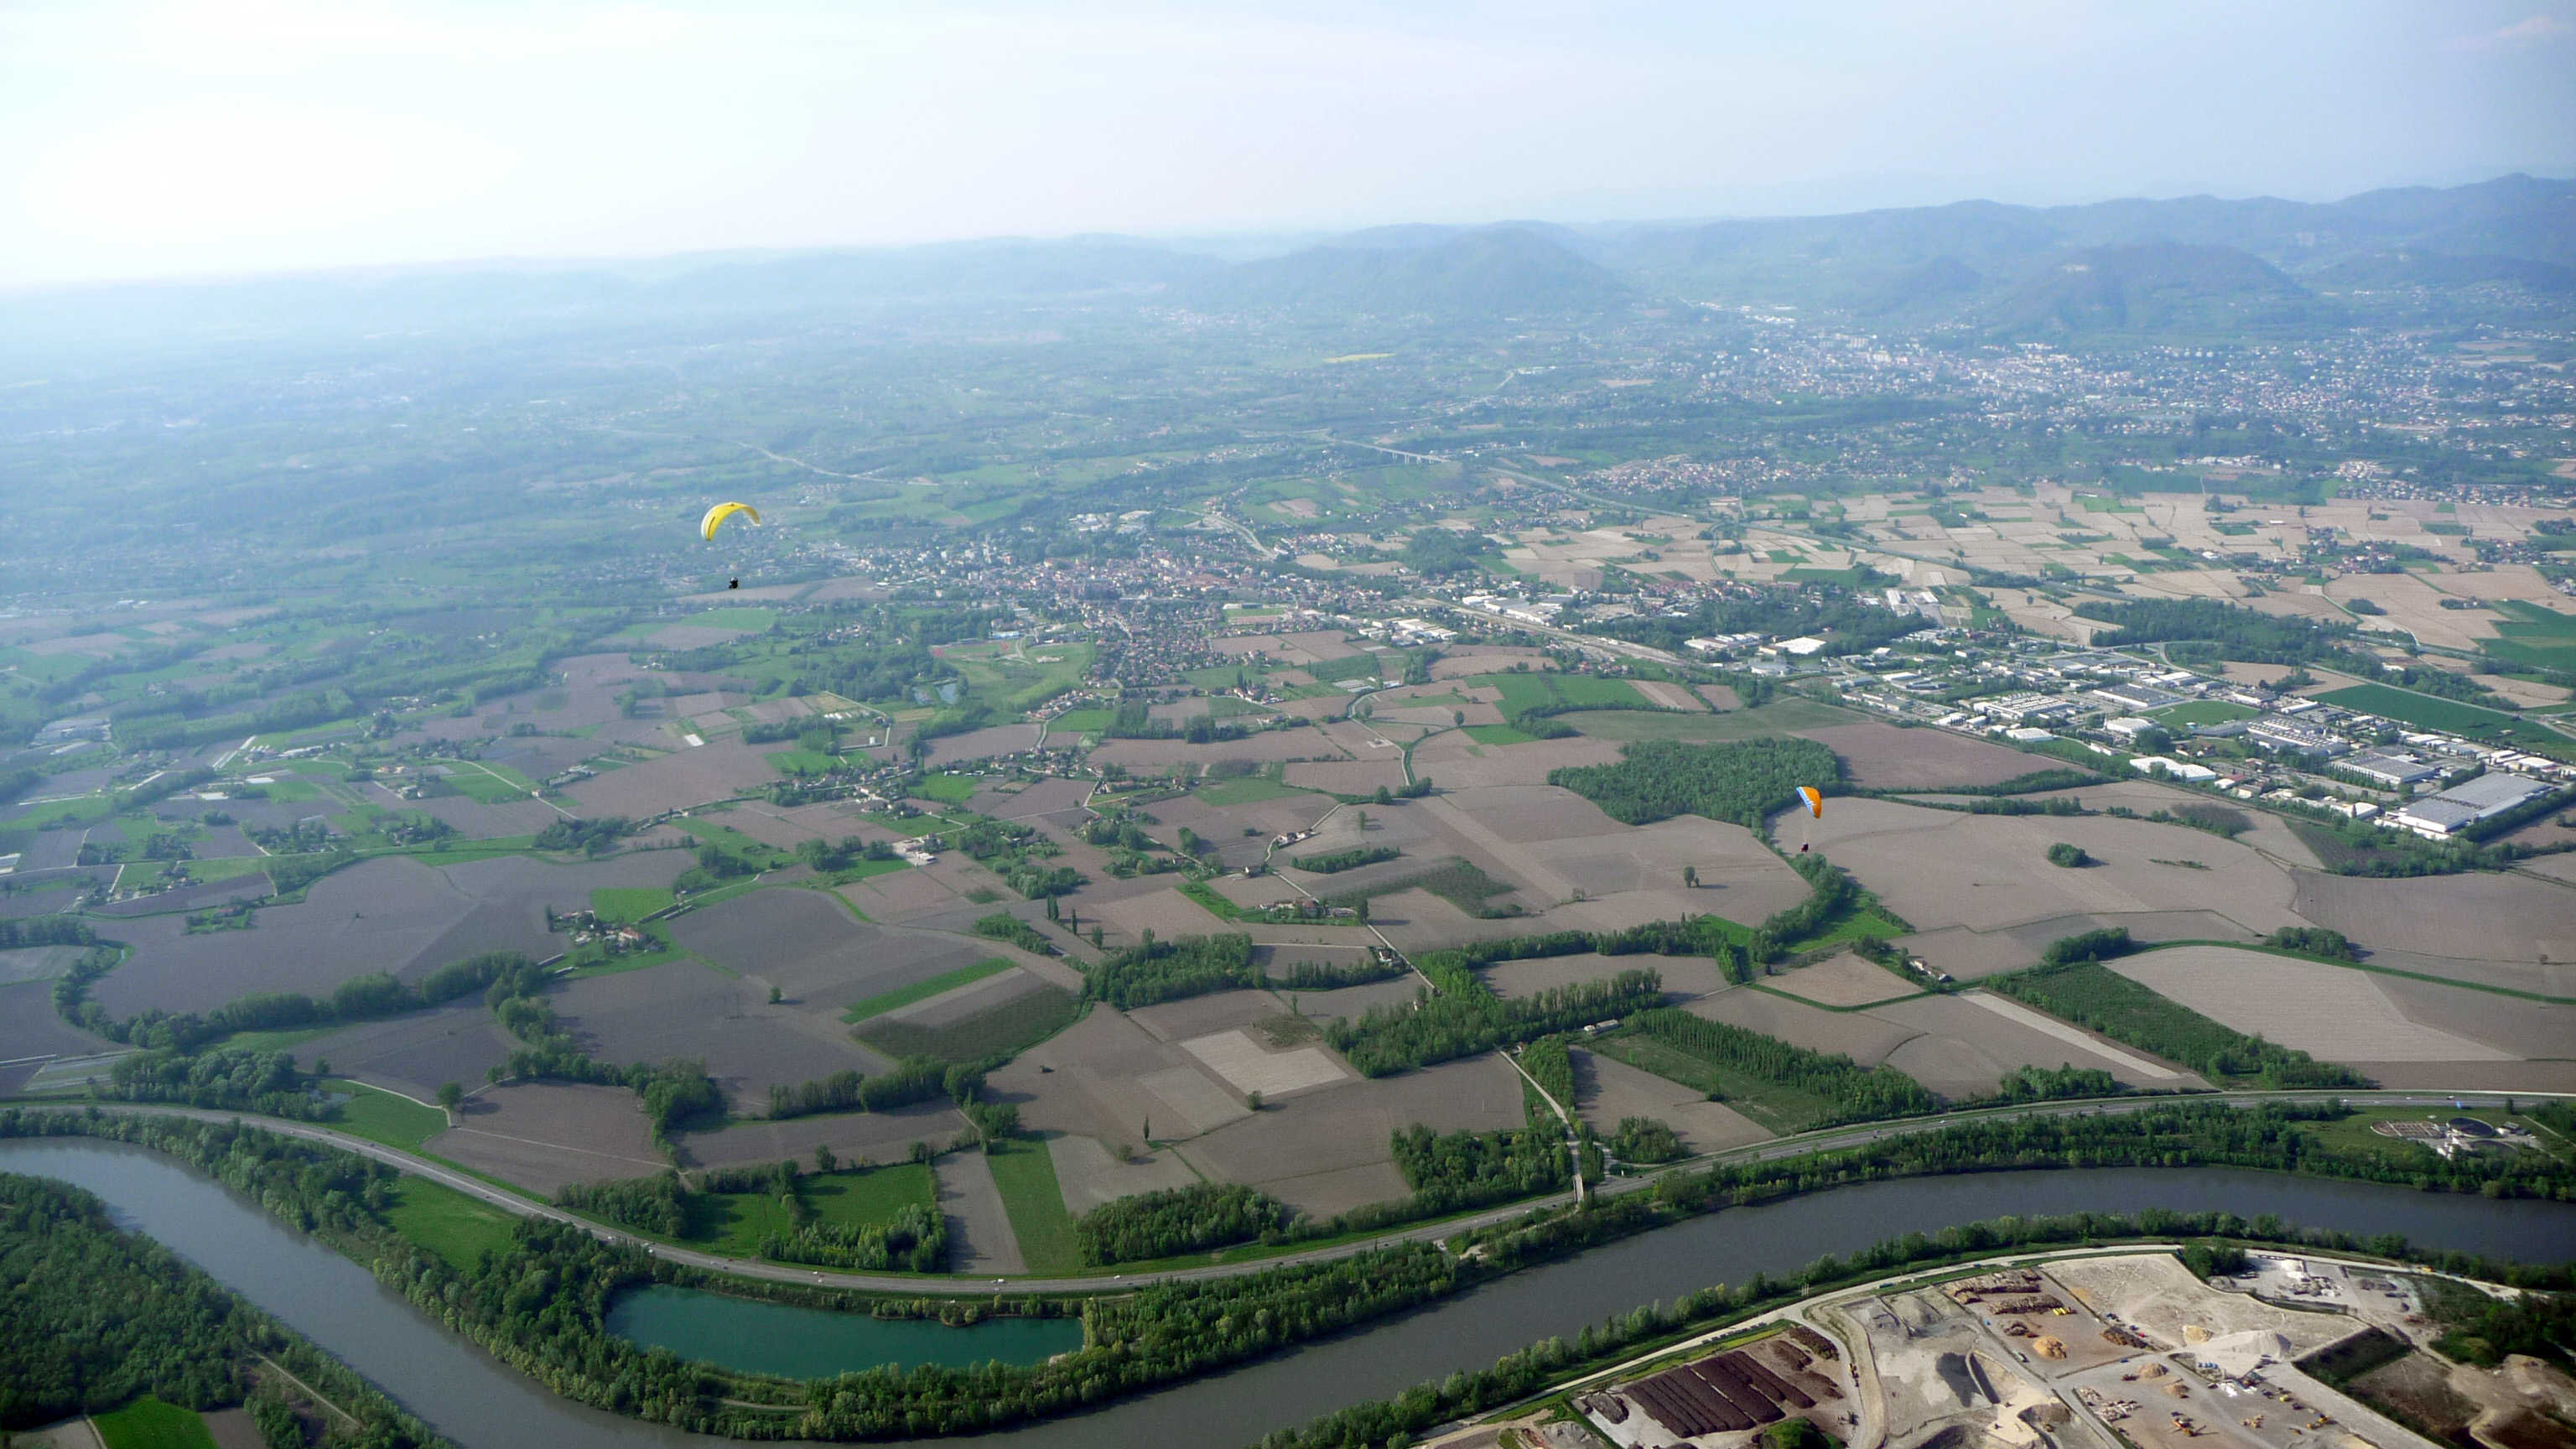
x: 482, y: 1404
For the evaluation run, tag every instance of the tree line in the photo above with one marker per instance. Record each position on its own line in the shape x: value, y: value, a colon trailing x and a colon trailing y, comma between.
x: 1334, y: 861
x: 1859, y: 1093
x: 1178, y: 1220
x: 1466, y: 1019
x: 1152, y: 970
x: 2079, y: 989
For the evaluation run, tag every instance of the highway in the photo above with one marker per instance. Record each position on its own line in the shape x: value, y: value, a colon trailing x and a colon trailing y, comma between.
x: 1827, y: 1139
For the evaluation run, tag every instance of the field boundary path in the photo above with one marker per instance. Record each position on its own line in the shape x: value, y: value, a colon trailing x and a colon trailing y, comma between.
x: 1819, y: 1141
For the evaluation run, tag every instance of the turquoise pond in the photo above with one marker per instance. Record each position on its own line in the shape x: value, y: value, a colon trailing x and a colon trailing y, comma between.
x: 814, y: 1343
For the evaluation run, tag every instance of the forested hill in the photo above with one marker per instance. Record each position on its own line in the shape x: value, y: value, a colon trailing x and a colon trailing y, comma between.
x: 2502, y: 247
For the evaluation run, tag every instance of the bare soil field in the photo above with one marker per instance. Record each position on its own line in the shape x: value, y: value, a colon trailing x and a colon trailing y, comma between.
x: 1473, y: 659
x: 2480, y: 916
x: 1844, y: 980
x: 391, y: 914
x: 853, y: 1137
x: 901, y: 897
x: 31, y: 1033
x: 541, y: 1135
x: 718, y: 770
x: 1043, y: 797
x: 806, y: 944
x: 984, y: 744
x: 1857, y: 1035
x: 414, y: 1054
x: 2342, y: 1015
x: 1089, y: 1177
x: 1456, y: 761
x: 2269, y: 833
x: 1939, y: 868
x: 1181, y: 1021
x: 1685, y: 977
x: 1225, y: 824
x: 1250, y: 1064
x: 680, y: 1010
x: 1966, y: 1046
x: 1354, y: 1001
x: 1607, y: 1089
x: 1350, y: 777
x: 1669, y: 696
x: 1167, y: 913
x: 1884, y: 757
x: 1322, y: 1151
x: 1091, y: 1080
x: 1739, y: 877
x: 1154, y: 757
x: 1970, y: 955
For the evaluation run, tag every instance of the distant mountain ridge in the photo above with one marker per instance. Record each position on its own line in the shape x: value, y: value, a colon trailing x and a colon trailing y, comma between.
x: 2133, y: 266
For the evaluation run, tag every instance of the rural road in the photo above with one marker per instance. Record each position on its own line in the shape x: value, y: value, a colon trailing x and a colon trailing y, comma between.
x: 1825, y: 1140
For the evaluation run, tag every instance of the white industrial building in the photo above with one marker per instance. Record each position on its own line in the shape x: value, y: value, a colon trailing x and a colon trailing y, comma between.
x: 2441, y: 815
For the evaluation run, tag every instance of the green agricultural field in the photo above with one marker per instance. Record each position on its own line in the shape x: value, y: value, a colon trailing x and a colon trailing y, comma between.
x: 1005, y: 1030
x: 1780, y: 717
x: 750, y: 620
x: 733, y: 841
x: 1015, y: 677
x: 629, y: 903
x: 1525, y: 692
x: 733, y: 1223
x: 384, y: 1117
x: 1250, y: 789
x: 2202, y: 712
x: 886, y: 1001
x: 1850, y: 578
x: 2531, y: 634
x: 148, y: 1423
x: 1026, y: 1176
x: 945, y: 789
x: 1362, y: 665
x: 2467, y: 720
x: 1083, y: 721
x: 456, y: 1227
x: 802, y: 761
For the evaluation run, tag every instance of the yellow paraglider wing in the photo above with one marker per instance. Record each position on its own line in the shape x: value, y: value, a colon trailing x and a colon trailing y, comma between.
x: 1815, y: 799
x: 717, y: 515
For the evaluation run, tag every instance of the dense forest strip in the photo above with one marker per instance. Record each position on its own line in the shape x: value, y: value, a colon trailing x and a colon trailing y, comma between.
x: 175, y: 1333
x: 541, y: 1305
x: 1860, y: 1093
x: 1741, y: 782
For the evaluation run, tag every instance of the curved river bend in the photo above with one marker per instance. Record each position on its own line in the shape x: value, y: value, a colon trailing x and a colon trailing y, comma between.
x: 482, y: 1404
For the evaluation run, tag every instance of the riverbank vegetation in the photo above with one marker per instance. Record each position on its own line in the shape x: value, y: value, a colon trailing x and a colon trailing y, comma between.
x: 541, y: 1305
x: 175, y: 1337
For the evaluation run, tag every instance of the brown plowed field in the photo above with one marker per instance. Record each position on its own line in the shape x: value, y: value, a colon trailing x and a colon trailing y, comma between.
x: 1882, y: 756
x: 1940, y: 868
x: 717, y: 770
x: 541, y: 1135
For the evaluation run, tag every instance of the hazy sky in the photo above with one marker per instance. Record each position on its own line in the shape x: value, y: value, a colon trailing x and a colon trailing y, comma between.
x: 214, y: 136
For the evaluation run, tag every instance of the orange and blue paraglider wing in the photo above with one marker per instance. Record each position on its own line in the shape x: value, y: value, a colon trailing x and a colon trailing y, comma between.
x: 1815, y: 799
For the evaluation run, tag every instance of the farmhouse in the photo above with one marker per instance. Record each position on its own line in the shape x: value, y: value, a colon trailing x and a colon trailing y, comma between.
x: 2455, y: 809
